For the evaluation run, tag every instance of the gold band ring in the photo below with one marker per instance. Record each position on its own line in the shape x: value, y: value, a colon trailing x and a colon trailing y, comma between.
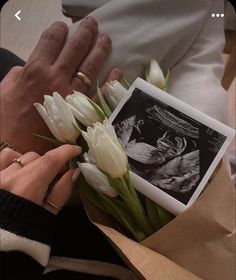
x: 84, y: 79
x: 18, y: 161
x: 52, y: 204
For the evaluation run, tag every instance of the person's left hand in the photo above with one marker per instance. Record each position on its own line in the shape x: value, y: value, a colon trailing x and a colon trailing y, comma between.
x: 31, y: 175
x: 51, y: 67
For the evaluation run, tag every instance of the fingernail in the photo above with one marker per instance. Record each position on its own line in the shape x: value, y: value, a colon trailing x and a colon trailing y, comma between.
x: 91, y: 19
x: 75, y: 175
x: 118, y: 73
x: 104, y: 37
x: 78, y: 148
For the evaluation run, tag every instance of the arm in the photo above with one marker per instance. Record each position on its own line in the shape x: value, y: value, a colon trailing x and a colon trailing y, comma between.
x: 28, y: 208
x: 24, y: 239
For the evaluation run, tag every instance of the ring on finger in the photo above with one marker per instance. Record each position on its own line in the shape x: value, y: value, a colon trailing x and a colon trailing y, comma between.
x: 18, y: 161
x: 50, y: 203
x: 84, y: 79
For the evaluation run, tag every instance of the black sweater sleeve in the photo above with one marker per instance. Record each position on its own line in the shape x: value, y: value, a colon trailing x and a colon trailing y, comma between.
x: 26, y: 232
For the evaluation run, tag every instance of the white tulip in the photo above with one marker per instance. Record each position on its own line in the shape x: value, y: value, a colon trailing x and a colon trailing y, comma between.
x: 58, y: 117
x: 97, y: 180
x: 82, y: 109
x: 155, y: 75
x: 105, y: 149
x: 115, y: 92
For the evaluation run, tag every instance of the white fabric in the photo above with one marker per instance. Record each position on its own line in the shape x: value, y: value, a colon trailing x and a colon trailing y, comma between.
x: 12, y: 242
x: 181, y: 35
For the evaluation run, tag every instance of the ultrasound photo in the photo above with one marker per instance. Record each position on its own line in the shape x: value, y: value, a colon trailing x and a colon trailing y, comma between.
x: 167, y: 148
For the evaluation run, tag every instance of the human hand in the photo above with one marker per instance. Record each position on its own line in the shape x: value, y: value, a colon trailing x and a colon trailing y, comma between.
x: 31, y: 176
x: 51, y: 67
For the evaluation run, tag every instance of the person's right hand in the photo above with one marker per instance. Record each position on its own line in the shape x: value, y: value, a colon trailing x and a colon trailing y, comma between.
x: 51, y: 67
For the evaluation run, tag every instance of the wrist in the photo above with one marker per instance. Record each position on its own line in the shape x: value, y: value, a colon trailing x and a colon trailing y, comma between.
x: 23, y: 217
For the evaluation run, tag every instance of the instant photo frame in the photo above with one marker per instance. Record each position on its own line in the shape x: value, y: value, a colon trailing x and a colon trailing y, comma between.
x: 172, y: 147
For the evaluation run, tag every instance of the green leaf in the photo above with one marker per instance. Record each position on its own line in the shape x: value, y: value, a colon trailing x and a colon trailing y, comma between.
x: 167, y: 81
x: 89, y: 193
x: 146, y: 74
x: 103, y: 102
x: 125, y: 82
x: 98, y: 110
x: 131, y: 200
x: 77, y: 128
x: 117, y: 210
x: 152, y: 213
x: 113, y: 207
x: 49, y: 139
x: 164, y: 216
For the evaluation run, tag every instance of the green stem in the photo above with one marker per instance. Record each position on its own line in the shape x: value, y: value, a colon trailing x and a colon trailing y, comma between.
x: 137, y: 211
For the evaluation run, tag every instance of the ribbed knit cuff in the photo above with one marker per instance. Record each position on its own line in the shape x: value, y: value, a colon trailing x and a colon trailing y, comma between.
x: 25, y: 218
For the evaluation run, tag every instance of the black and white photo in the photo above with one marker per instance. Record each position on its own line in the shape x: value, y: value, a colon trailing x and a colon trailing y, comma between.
x: 167, y: 147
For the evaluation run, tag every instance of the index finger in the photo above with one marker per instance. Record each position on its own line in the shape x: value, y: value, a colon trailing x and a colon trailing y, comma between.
x: 50, y: 164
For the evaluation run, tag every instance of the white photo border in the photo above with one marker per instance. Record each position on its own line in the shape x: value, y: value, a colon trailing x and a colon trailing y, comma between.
x: 157, y: 195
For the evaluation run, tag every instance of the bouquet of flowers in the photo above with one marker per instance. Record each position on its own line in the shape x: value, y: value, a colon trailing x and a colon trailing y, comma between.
x: 104, y: 179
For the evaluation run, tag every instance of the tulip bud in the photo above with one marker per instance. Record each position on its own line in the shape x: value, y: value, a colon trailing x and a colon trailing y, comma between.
x: 106, y: 150
x: 82, y: 109
x: 97, y: 180
x: 155, y: 75
x: 115, y: 92
x: 58, y: 117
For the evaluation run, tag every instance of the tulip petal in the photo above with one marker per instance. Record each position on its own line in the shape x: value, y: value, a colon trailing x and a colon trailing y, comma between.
x: 49, y: 122
x: 155, y: 75
x: 97, y: 180
x: 82, y: 109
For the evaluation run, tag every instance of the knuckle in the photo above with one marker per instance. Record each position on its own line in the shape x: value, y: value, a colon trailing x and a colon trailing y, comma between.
x: 60, y: 86
x: 32, y: 155
x: 55, y: 84
x: 7, y: 152
x: 50, y: 35
x: 91, y: 69
x: 60, y: 79
x: 34, y: 69
x: 50, y: 159
x: 8, y: 182
x: 15, y: 69
x: 78, y: 44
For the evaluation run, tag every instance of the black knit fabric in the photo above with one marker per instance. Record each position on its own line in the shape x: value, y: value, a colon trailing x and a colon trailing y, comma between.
x: 24, y: 218
x: 76, y: 237
x: 16, y: 265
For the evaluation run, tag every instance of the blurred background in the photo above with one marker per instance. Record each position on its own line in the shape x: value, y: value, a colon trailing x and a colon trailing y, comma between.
x: 20, y: 36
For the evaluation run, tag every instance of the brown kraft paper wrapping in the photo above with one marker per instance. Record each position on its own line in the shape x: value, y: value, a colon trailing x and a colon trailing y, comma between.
x: 198, y: 244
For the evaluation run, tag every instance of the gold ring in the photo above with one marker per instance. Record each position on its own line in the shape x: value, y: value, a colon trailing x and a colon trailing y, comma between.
x: 84, y: 79
x: 18, y: 161
x: 52, y: 204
